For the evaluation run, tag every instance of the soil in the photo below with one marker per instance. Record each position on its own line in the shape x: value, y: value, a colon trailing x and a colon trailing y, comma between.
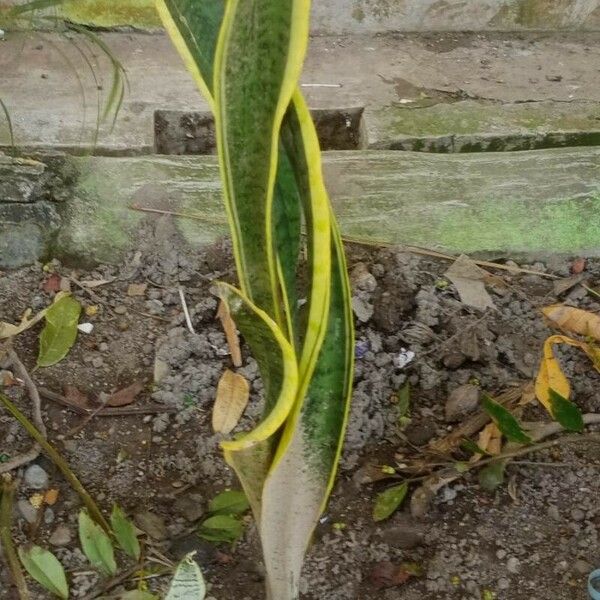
x: 538, y: 532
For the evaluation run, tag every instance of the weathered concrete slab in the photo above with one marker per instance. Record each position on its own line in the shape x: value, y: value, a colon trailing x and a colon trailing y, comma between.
x: 531, y: 82
x: 540, y: 202
x: 483, y: 126
x: 341, y: 16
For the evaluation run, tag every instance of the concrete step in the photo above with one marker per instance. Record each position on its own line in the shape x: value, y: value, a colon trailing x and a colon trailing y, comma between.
x: 511, y: 204
x: 471, y: 91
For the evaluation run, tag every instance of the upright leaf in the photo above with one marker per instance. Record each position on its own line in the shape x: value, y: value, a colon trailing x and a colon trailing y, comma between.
x: 44, y: 567
x: 96, y: 545
x: 60, y: 331
x: 188, y: 582
x: 125, y: 534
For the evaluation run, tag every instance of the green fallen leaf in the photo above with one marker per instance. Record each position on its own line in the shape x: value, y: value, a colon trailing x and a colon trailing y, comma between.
x: 404, y: 400
x: 44, y: 567
x: 124, y: 531
x: 389, y: 501
x: 221, y: 528
x: 96, y: 545
x: 232, y: 502
x: 188, y: 582
x: 565, y: 412
x: 505, y: 421
x: 60, y: 331
x: 492, y: 476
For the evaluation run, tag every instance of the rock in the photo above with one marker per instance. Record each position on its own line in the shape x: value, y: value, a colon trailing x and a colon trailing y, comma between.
x: 152, y: 524
x: 190, y: 506
x: 577, y: 514
x: 61, y: 536
x: 27, y: 231
x: 362, y: 279
x: 21, y: 180
x: 420, y: 434
x: 462, y: 401
x: 362, y: 309
x: 513, y: 565
x: 404, y: 533
x: 553, y: 512
x: 582, y: 567
x: 36, y: 478
x: 28, y: 512
x: 205, y: 552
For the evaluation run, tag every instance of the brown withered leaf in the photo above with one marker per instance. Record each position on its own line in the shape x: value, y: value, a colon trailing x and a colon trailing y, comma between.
x: 76, y: 396
x: 233, y: 393
x: 126, y: 395
x: 233, y: 340
x: 386, y: 574
x: 578, y: 266
x: 137, y: 289
x: 469, y: 280
x: 51, y: 496
x: 574, y: 320
x: 52, y: 283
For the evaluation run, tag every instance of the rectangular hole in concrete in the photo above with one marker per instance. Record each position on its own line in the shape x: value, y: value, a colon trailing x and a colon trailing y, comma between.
x: 182, y: 132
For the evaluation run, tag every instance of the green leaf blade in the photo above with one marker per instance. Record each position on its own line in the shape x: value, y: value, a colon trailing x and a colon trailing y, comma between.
x: 60, y: 331
x: 230, y: 502
x: 221, y: 528
x: 566, y: 413
x: 188, y: 582
x: 45, y: 568
x: 125, y: 534
x: 389, y: 501
x: 505, y: 421
x: 96, y: 545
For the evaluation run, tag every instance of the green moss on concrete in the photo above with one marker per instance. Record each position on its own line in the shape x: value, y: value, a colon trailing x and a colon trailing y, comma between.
x: 113, y: 13
x: 472, y: 117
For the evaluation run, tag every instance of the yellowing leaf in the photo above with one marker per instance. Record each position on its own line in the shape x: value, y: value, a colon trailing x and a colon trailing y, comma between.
x: 574, y: 320
x: 233, y: 393
x: 550, y: 375
x: 233, y: 340
x: 60, y: 331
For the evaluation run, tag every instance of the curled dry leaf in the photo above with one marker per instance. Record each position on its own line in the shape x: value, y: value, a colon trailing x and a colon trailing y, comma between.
x: 125, y: 396
x: 137, y: 289
x: 574, y: 320
x: 489, y: 440
x: 386, y: 574
x: 233, y: 393
x: 233, y: 340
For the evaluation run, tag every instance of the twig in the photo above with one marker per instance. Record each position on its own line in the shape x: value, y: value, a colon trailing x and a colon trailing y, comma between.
x: 75, y: 430
x: 589, y: 290
x: 186, y: 312
x: 111, y: 583
x: 442, y: 256
x: 173, y: 213
x: 106, y: 412
x: 58, y: 460
x: 36, y: 411
x: 8, y: 548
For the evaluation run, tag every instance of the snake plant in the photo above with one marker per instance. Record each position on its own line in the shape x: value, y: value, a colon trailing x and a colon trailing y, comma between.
x: 246, y: 56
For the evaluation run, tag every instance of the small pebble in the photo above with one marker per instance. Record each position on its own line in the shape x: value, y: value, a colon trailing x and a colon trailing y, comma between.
x: 36, y: 478
x: 61, y: 536
x: 513, y: 565
x: 120, y: 310
x: 28, y: 512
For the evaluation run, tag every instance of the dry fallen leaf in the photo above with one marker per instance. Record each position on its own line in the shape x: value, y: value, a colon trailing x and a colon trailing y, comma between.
x: 52, y: 283
x: 233, y: 393
x: 578, y: 266
x: 233, y: 341
x: 91, y: 311
x: 125, y: 396
x: 7, y: 379
x: 51, y: 496
x: 386, y: 574
x: 574, y: 320
x: 489, y: 440
x: 75, y: 396
x: 468, y: 278
x: 94, y: 283
x: 137, y: 289
x: 550, y: 375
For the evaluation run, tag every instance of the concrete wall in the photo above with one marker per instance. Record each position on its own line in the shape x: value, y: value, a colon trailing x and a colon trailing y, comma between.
x: 368, y: 16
